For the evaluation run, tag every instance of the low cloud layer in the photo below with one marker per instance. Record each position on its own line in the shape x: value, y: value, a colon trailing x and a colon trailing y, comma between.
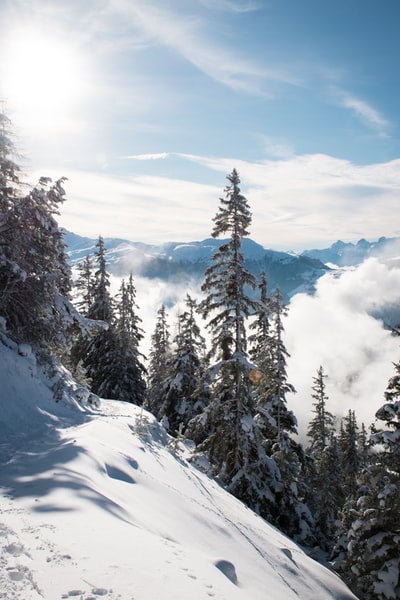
x: 342, y: 328
x: 335, y: 329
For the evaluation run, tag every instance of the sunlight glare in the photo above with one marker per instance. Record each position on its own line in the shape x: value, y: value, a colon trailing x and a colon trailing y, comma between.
x: 43, y: 82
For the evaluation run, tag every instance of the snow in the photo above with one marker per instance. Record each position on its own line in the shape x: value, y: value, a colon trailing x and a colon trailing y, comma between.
x: 96, y: 502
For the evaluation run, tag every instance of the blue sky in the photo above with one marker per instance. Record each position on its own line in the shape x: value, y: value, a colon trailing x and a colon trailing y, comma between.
x: 146, y: 105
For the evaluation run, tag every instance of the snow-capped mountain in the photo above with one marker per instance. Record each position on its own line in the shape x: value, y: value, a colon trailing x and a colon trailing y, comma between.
x: 186, y: 262
x: 347, y: 254
x: 96, y: 501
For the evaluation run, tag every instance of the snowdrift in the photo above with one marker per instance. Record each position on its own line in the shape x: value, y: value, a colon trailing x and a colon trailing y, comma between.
x: 98, y: 502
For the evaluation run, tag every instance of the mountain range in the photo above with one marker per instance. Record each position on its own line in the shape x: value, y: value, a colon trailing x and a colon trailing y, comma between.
x: 185, y: 263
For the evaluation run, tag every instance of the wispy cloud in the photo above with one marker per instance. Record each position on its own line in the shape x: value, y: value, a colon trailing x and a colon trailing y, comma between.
x: 155, y: 156
x: 235, y: 6
x: 199, y: 41
x: 365, y: 112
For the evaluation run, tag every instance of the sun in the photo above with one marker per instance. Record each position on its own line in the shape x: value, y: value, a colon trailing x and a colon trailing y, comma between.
x: 42, y: 80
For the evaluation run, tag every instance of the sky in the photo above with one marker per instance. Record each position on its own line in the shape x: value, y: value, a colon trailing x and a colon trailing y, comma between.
x: 96, y: 502
x: 146, y: 105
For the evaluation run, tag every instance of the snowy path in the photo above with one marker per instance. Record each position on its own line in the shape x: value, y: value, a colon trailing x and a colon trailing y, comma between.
x: 99, y: 506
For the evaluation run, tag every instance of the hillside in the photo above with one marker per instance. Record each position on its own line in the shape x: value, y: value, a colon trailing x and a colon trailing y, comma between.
x: 96, y: 502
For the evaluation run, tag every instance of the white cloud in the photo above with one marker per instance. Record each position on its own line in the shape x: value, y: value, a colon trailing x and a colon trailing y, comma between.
x: 335, y: 329
x: 155, y: 156
x: 365, y: 112
x: 300, y: 202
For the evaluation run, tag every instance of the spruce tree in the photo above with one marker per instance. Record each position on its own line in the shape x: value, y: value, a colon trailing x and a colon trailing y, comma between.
x: 113, y: 361
x: 85, y: 285
x: 287, y: 505
x: 348, y: 452
x: 270, y: 358
x: 130, y: 369
x: 96, y: 348
x: 326, y: 481
x: 11, y: 273
x: 159, y: 364
x: 371, y: 562
x: 322, y: 425
x: 101, y: 308
x: 182, y: 388
x: 35, y: 272
x: 233, y: 443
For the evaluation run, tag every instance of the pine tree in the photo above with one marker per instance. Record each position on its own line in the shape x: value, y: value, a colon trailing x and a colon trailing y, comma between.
x: 35, y: 271
x: 159, y: 364
x: 11, y: 272
x: 96, y: 349
x: 101, y: 308
x: 85, y: 285
x: 371, y: 563
x: 233, y: 442
x: 287, y: 507
x: 261, y: 347
x: 112, y: 359
x: 327, y: 493
x: 182, y: 388
x: 322, y: 425
x: 349, y: 454
x: 270, y: 358
x: 330, y: 494
x: 129, y: 371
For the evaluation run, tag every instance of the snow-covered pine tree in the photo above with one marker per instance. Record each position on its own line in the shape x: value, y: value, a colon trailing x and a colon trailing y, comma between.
x: 322, y: 425
x: 327, y: 493
x: 232, y: 442
x: 95, y: 350
x: 348, y: 452
x: 273, y: 404
x: 371, y: 564
x: 11, y: 273
x: 129, y: 372
x: 159, y: 364
x: 289, y: 510
x: 85, y: 285
x: 36, y: 269
x: 113, y: 361
x: 261, y: 350
x: 101, y: 308
x: 182, y: 388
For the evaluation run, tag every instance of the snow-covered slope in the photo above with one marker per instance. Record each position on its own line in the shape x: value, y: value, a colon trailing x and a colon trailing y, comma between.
x: 97, y: 503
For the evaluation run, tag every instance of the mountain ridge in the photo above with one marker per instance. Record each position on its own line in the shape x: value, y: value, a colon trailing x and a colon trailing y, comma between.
x: 186, y: 262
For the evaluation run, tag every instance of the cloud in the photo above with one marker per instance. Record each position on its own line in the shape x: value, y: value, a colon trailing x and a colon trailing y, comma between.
x: 233, y: 6
x: 365, y: 112
x: 141, y: 208
x: 307, y: 201
x: 199, y: 39
x: 335, y: 329
x: 156, y: 156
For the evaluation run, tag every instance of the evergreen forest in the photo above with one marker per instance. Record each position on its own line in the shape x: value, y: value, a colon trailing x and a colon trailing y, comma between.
x: 338, y: 495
